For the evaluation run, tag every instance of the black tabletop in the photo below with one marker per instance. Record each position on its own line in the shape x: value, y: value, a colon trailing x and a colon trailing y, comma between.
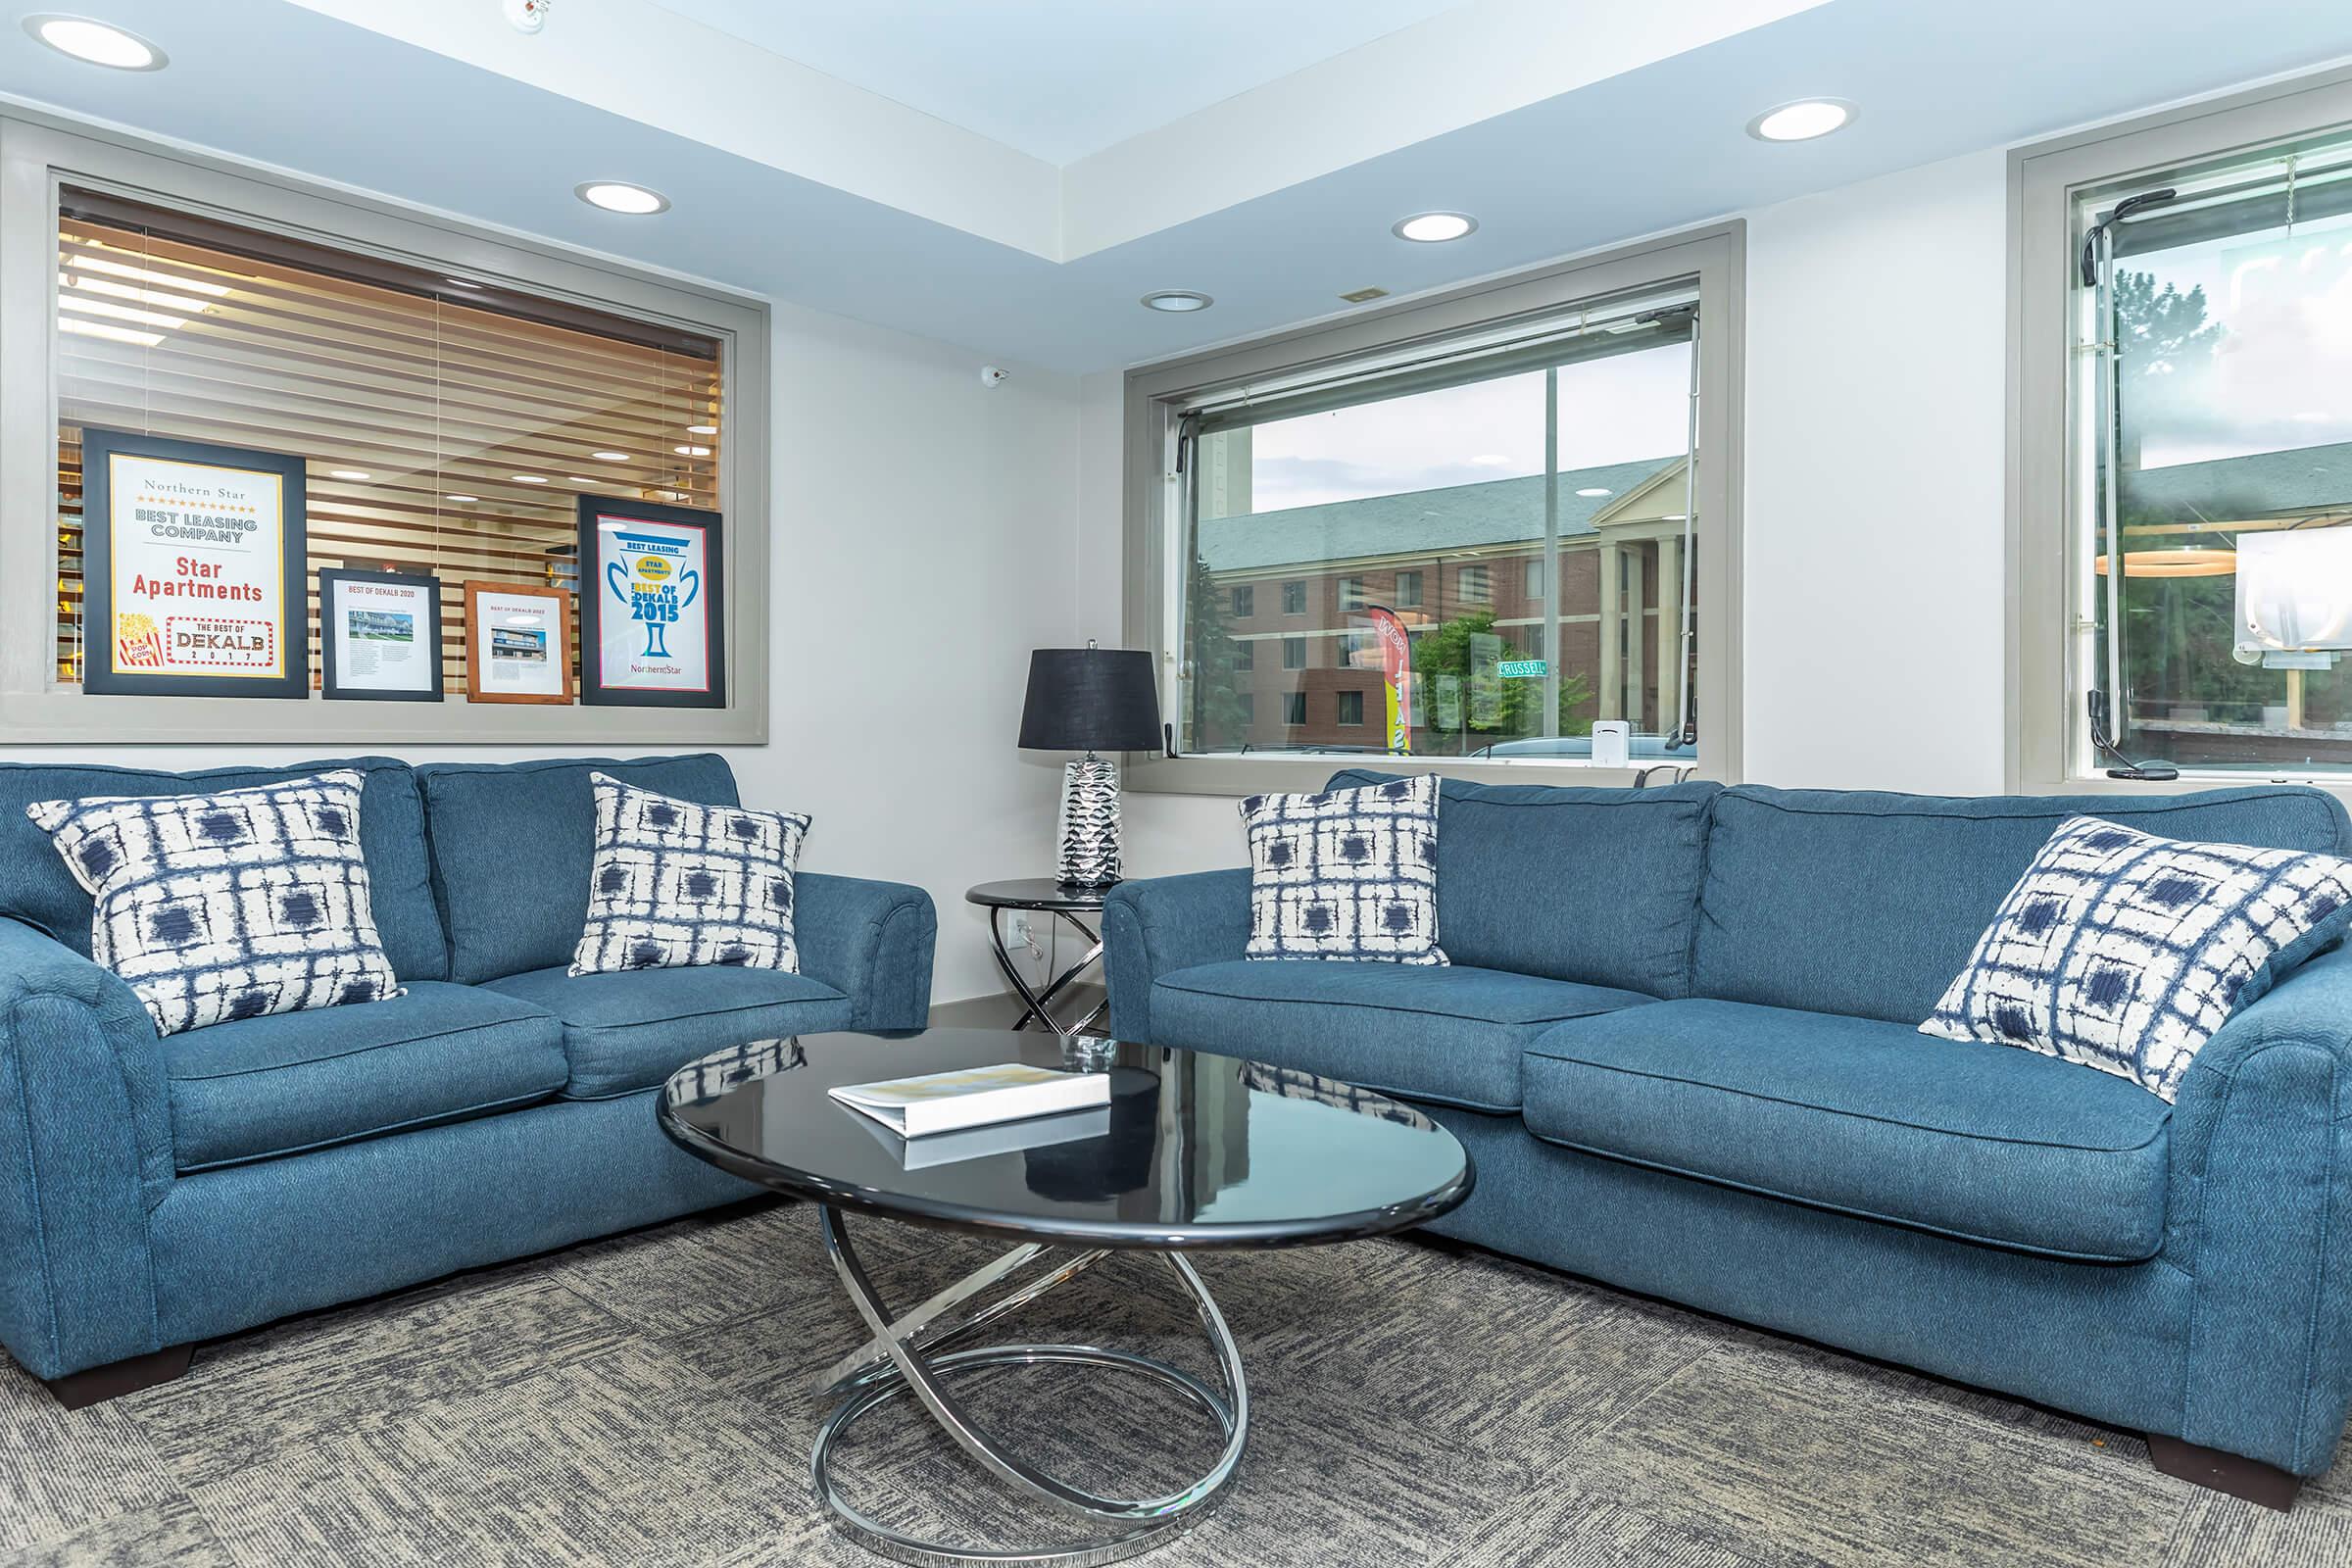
x: 1194, y: 1150
x: 1037, y: 893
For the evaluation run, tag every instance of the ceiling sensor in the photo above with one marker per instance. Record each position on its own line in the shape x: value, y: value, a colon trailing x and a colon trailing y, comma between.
x: 528, y: 15
x: 1359, y: 296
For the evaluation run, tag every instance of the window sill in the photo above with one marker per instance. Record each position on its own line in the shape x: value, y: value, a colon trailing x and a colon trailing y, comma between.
x: 1237, y: 776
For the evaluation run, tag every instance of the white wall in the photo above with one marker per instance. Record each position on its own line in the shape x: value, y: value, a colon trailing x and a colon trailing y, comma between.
x: 1875, y: 430
x: 922, y: 525
x: 1875, y: 459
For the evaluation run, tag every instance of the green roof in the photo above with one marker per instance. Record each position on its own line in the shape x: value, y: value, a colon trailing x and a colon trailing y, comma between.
x: 2230, y: 489
x: 1462, y: 516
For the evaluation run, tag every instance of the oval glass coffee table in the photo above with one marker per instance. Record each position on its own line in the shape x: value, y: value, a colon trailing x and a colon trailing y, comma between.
x: 1194, y: 1151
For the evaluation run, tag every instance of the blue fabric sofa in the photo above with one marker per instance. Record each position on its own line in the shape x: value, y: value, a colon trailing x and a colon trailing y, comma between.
x: 156, y: 1192
x: 1678, y: 1038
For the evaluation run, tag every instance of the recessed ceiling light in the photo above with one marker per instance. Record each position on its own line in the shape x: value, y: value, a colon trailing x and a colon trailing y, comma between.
x: 1804, y: 120
x: 692, y: 451
x: 610, y: 457
x: 1594, y: 492
x: 1177, y: 301
x: 620, y: 196
x: 1434, y: 228
x: 460, y: 282
x: 461, y: 500
x: 349, y: 474
x: 530, y: 478
x: 702, y: 430
x: 95, y: 42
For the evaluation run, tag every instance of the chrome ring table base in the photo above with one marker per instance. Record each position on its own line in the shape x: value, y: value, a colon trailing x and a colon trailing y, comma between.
x: 1038, y: 1004
x: 907, y: 1355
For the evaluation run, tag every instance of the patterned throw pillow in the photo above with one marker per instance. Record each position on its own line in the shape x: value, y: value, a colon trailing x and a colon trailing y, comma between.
x: 2125, y: 952
x: 677, y: 884
x: 1346, y: 874
x: 220, y: 907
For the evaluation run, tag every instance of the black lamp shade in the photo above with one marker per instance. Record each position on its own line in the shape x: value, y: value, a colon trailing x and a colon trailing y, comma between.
x: 1090, y: 699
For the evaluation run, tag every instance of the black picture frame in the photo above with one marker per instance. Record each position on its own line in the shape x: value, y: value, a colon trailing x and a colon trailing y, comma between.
x: 714, y: 590
x: 99, y: 674
x: 330, y: 684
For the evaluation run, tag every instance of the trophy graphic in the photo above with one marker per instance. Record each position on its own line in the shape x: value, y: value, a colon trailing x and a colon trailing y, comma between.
x: 648, y: 581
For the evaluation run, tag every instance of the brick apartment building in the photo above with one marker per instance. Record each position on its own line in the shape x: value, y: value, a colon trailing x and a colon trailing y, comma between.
x: 1290, y: 587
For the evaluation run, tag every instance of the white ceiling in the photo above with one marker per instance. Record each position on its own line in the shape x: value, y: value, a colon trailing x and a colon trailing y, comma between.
x: 1563, y: 124
x: 1056, y: 78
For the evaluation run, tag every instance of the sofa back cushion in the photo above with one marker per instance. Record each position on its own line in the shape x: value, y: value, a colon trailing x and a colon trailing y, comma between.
x: 1868, y: 905
x: 514, y: 844
x: 1599, y: 886
x: 37, y: 888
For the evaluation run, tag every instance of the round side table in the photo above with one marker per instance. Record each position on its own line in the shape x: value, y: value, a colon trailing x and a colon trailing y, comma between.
x: 1065, y: 901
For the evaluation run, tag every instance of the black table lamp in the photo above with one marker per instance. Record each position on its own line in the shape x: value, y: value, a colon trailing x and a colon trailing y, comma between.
x: 1084, y: 700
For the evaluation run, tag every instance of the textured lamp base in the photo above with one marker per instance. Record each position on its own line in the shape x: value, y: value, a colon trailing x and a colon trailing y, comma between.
x: 1089, y: 832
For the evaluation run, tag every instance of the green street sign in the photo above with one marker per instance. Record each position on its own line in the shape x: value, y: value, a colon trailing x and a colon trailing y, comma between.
x: 1522, y: 669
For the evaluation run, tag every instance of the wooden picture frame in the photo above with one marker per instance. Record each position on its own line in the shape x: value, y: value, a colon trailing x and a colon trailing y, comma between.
x: 558, y: 626
x: 111, y: 662
x: 630, y: 564
x: 333, y: 682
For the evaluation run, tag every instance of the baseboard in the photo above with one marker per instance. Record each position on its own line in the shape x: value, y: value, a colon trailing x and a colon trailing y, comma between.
x: 998, y: 1011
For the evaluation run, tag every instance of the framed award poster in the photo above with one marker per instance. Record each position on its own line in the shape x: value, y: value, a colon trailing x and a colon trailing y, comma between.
x: 517, y: 642
x: 379, y: 636
x: 193, y: 570
x: 653, y: 627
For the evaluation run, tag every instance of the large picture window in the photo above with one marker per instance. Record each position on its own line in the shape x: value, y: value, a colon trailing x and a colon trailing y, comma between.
x: 2213, y: 461
x: 1485, y: 470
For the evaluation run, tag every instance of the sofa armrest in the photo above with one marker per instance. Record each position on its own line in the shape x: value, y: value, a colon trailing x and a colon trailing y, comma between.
x: 871, y: 941
x: 2259, y: 1211
x: 1162, y: 924
x: 86, y: 1152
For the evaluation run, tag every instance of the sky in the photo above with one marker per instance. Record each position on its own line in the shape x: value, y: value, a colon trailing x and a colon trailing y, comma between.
x: 1617, y: 410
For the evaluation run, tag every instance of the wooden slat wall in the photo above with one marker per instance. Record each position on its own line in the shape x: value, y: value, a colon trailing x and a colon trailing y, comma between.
x: 429, y: 395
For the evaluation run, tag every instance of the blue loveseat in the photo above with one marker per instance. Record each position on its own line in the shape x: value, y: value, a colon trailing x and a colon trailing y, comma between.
x: 1679, y: 1039
x: 156, y: 1192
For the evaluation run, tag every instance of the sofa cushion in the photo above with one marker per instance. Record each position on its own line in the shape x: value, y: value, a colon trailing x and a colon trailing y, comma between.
x: 630, y: 1031
x: 1869, y: 904
x: 1344, y: 873
x: 1593, y: 885
x: 1451, y: 1035
x: 513, y: 844
x: 1976, y: 1141
x: 287, y: 1081
x: 37, y: 888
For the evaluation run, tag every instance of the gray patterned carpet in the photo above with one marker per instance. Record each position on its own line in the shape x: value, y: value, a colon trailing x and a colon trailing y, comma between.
x: 646, y: 1399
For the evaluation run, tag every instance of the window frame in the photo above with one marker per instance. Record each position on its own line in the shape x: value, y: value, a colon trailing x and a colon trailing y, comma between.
x: 38, y: 156
x: 1712, y: 257
x: 2044, y: 725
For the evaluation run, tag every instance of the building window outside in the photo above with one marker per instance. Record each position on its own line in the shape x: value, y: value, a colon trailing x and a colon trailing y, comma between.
x: 1534, y: 586
x: 1246, y: 707
x: 2230, y: 471
x: 1532, y: 637
x: 1294, y: 597
x: 1245, y: 653
x: 1408, y: 590
x: 445, y: 430
x: 1351, y: 709
x: 1352, y: 593
x: 1293, y: 653
x: 1475, y: 584
x: 1245, y: 601
x: 1293, y: 708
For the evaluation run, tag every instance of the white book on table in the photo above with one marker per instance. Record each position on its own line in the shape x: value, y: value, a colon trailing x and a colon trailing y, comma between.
x: 1026, y: 1136
x: 973, y: 1096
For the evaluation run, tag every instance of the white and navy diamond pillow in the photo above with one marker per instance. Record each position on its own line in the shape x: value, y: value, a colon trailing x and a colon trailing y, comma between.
x: 2125, y: 952
x: 1346, y: 874
x: 216, y: 907
x: 676, y: 884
